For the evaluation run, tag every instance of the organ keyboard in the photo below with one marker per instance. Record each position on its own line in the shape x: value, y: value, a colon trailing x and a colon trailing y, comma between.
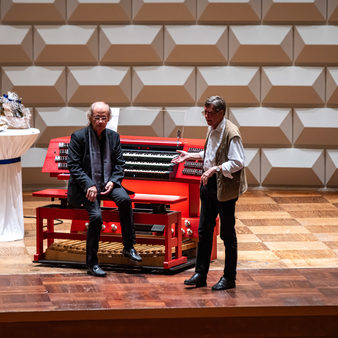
x: 146, y: 158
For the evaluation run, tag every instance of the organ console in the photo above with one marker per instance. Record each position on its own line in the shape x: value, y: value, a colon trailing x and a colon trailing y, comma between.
x: 148, y: 170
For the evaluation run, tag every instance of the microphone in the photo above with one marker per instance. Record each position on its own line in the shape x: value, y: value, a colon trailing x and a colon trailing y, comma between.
x: 178, y: 136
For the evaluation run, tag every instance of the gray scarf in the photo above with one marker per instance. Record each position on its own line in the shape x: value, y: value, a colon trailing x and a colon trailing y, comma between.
x: 100, y: 179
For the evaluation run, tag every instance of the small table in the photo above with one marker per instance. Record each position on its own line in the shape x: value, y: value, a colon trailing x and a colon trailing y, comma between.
x: 13, y: 144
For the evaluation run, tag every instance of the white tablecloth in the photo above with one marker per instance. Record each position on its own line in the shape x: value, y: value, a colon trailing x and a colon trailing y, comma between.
x: 13, y: 143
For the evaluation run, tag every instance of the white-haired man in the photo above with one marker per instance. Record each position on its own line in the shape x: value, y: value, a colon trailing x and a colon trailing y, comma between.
x: 96, y: 163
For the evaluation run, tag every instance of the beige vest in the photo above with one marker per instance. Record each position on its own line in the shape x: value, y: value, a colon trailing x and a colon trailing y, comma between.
x: 228, y: 188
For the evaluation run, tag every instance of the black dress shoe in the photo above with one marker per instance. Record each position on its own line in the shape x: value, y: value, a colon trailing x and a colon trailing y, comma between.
x: 96, y: 271
x: 224, y: 284
x: 131, y: 254
x: 197, y: 280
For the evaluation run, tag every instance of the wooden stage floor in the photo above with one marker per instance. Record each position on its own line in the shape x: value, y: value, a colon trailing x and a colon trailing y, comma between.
x: 287, y: 282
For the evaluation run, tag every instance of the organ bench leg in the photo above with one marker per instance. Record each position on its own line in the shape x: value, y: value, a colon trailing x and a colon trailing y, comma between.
x: 173, y: 241
x: 39, y: 236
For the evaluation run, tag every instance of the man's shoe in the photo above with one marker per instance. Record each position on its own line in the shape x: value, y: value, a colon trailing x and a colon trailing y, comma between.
x: 224, y: 284
x: 96, y: 271
x: 131, y: 254
x: 197, y: 280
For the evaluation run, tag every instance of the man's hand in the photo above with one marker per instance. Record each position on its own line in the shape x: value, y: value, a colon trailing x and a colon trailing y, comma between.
x: 108, y: 188
x: 207, y: 174
x: 183, y: 156
x: 91, y: 193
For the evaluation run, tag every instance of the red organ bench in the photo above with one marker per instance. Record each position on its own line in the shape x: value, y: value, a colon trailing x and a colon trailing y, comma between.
x: 165, y: 203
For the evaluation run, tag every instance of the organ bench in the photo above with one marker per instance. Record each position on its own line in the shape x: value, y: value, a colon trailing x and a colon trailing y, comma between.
x: 171, y: 239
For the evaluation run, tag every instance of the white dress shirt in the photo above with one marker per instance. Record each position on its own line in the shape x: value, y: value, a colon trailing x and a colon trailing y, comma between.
x: 235, y: 155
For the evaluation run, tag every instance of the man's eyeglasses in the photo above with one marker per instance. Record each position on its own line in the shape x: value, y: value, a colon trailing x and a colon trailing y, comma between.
x: 211, y: 113
x: 98, y: 118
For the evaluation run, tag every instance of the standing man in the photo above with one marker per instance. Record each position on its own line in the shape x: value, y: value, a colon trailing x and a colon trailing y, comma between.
x: 222, y: 181
x: 95, y: 163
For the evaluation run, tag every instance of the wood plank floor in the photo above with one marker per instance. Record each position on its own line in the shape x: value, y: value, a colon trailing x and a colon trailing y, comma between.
x: 287, y: 282
x: 266, y: 303
x: 276, y: 229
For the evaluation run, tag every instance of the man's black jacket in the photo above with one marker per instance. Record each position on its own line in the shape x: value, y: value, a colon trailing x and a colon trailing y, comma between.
x: 80, y: 167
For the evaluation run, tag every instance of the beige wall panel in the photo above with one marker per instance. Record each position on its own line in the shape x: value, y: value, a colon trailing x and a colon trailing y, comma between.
x: 26, y: 11
x: 316, y: 127
x: 141, y: 121
x: 228, y: 11
x: 316, y: 45
x: 332, y: 87
x: 38, y: 86
x: 332, y: 168
x: 66, y: 45
x: 168, y: 11
x: 133, y: 44
x: 33, y: 180
x: 260, y: 45
x: 293, y: 86
x: 103, y: 11
x: 293, y: 11
x: 263, y: 126
x: 163, y: 85
x: 237, y: 85
x: 332, y: 11
x: 58, y: 122
x: 16, y: 45
x: 292, y: 167
x: 191, y: 45
x: 252, y: 166
x: 188, y: 120
x: 100, y: 83
x: 32, y: 177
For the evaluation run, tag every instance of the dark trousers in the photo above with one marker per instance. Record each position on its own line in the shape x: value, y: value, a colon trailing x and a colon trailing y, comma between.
x: 210, y: 208
x: 122, y: 200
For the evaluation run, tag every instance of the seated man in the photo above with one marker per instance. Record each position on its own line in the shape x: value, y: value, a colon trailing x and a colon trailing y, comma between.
x: 95, y: 163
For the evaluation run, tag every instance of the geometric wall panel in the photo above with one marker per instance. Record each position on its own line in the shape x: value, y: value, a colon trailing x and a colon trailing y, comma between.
x: 332, y: 11
x: 65, y: 45
x: 332, y: 87
x: 188, y: 122
x: 228, y: 11
x: 89, y: 84
x: 15, y: 45
x: 293, y: 167
x: 58, y: 122
x: 302, y: 11
x: 164, y: 85
x: 86, y: 11
x: 263, y: 126
x: 25, y: 11
x: 260, y: 44
x: 316, y: 45
x: 34, y: 158
x: 275, y: 62
x: 293, y: 86
x: 141, y: 121
x: 252, y: 166
x: 32, y: 162
x: 203, y: 44
x: 316, y: 127
x: 168, y: 11
x: 237, y: 85
x: 332, y: 168
x: 38, y: 86
x: 133, y: 44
